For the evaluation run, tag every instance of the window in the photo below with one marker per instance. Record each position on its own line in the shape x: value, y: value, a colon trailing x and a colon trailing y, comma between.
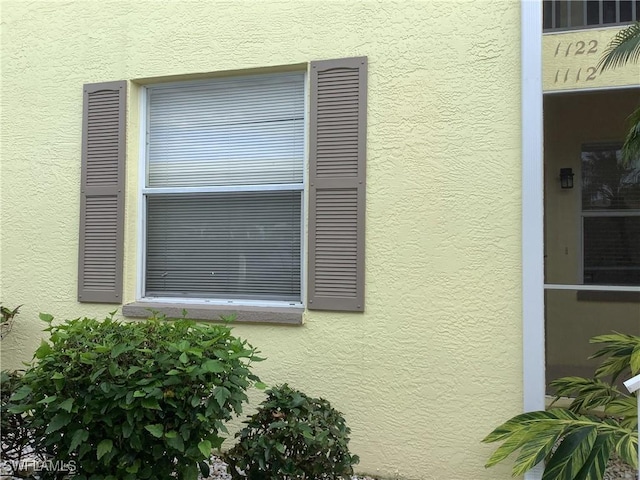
x: 224, y: 200
x: 224, y: 185
x: 610, y: 218
x: 568, y: 14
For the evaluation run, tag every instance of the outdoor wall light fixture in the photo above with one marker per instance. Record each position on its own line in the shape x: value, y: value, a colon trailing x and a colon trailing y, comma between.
x: 566, y: 178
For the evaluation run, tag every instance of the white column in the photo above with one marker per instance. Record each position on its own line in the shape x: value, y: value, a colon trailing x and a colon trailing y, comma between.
x: 532, y: 212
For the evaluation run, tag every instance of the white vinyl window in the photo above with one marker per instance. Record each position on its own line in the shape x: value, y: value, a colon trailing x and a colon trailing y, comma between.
x: 223, y: 192
x: 610, y: 218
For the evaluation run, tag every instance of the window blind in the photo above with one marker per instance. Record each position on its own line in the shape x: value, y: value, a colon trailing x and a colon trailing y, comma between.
x: 236, y: 131
x: 232, y: 246
x: 245, y: 244
x: 611, y: 217
x: 612, y: 250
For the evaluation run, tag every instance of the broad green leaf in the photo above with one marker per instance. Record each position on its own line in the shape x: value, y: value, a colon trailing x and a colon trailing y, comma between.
x: 20, y: 408
x: 22, y: 393
x: 151, y: 403
x: 213, y: 366
x: 138, y: 394
x: 260, y: 385
x: 627, y: 448
x: 104, y: 447
x: 571, y: 455
x: 596, y: 463
x: 67, y: 405
x: 45, y: 317
x: 79, y: 436
x: 176, y: 442
x: 623, y: 407
x: 276, y: 425
x: 119, y: 349
x: 526, y: 420
x: 43, y: 350
x: 134, y: 467
x: 635, y: 360
x: 297, y: 400
x: 221, y: 394
x: 280, y: 447
x: 205, y: 448
x: 183, y: 357
x: 195, y: 351
x: 204, y: 469
x: 587, y: 394
x: 58, y: 421
x: 613, y: 366
x: 191, y: 472
x: 536, y: 449
x: 46, y: 400
x: 127, y: 429
x: 156, y: 430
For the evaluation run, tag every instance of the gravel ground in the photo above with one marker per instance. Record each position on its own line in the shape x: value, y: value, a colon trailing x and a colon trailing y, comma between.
x: 219, y: 471
x: 618, y: 469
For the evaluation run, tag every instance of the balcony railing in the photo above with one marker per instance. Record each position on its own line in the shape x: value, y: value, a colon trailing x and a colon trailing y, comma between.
x: 576, y: 14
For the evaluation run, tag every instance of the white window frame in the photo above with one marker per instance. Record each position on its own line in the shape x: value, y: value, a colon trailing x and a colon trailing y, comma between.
x: 144, y: 191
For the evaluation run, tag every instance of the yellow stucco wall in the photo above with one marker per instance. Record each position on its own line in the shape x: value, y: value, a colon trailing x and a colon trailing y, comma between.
x: 571, y: 61
x: 435, y: 361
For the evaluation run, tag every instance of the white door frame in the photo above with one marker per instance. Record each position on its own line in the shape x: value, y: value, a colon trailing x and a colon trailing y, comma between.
x: 533, y: 340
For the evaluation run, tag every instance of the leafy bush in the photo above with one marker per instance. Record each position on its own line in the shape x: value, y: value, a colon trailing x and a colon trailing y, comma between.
x: 293, y: 436
x: 17, y: 436
x: 137, y: 400
x: 576, y: 442
x: 7, y: 317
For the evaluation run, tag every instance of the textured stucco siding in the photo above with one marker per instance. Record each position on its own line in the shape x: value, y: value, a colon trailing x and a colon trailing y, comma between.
x: 570, y: 61
x: 434, y: 363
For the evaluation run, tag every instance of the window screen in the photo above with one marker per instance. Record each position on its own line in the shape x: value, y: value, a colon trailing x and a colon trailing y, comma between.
x: 223, y: 200
x: 611, y: 218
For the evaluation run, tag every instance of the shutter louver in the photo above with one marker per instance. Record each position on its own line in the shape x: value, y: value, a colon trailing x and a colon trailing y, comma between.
x: 337, y: 157
x: 102, y: 193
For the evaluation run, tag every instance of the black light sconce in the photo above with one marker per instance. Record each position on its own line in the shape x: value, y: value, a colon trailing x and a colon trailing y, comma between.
x: 566, y: 178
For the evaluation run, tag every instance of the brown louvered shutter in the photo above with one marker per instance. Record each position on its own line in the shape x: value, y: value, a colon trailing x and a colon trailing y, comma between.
x: 337, y: 144
x: 102, y: 193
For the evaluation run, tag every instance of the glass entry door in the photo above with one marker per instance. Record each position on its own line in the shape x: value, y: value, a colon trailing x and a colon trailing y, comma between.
x: 592, y: 227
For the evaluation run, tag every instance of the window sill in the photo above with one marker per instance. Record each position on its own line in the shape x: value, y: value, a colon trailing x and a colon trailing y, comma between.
x: 607, y: 296
x: 243, y: 314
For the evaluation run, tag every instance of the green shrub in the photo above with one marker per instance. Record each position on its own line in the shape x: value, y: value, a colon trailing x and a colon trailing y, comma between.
x: 577, y: 442
x: 17, y: 436
x: 139, y: 400
x: 7, y: 317
x: 292, y: 436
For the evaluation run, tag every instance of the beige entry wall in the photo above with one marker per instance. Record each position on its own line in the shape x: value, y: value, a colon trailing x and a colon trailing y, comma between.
x: 570, y: 121
x: 570, y: 61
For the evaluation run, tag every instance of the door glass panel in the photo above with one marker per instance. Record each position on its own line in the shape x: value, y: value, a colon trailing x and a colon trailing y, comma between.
x: 572, y: 317
x: 592, y: 228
